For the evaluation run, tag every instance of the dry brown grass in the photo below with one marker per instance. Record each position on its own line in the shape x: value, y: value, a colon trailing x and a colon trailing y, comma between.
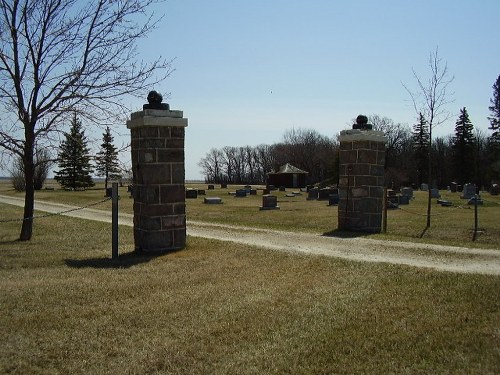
x: 221, y: 308
x: 449, y: 225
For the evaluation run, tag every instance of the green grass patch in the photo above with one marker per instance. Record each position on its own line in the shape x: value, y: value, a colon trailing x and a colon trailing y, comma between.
x: 221, y: 308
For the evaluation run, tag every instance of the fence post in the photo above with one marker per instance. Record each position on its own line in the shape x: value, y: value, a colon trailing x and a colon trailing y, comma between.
x: 114, y: 220
x: 476, y: 197
x: 384, y: 211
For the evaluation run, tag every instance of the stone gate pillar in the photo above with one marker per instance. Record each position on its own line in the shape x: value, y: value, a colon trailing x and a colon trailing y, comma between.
x: 361, y: 182
x: 158, y: 177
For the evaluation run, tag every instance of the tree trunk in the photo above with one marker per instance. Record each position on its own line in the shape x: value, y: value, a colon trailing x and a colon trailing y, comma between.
x: 29, y: 197
x: 428, y: 225
x: 429, y: 177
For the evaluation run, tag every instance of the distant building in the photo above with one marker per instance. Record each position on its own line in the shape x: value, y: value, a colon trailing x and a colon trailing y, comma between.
x: 288, y: 176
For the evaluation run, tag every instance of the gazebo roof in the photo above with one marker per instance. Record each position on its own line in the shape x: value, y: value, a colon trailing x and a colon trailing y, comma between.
x: 288, y: 168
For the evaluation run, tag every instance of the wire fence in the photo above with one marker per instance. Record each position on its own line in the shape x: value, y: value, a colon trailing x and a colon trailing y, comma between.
x: 57, y: 213
x: 444, y: 213
x: 471, y: 205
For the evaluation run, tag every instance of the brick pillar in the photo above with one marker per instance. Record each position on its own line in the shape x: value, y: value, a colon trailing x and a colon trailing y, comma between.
x: 361, y: 182
x: 158, y: 170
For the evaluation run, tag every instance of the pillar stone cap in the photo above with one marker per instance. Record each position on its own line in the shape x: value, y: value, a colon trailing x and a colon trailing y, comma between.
x: 156, y: 113
x: 156, y: 117
x: 362, y: 135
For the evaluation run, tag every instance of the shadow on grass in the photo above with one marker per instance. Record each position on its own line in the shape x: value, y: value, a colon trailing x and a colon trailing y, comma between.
x: 345, y: 234
x: 423, y: 232
x: 126, y: 260
x: 9, y: 242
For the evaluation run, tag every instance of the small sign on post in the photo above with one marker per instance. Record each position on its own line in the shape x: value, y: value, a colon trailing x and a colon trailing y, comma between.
x: 114, y: 220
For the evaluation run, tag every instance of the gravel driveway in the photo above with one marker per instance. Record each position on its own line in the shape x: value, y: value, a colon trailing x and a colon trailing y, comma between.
x: 438, y: 257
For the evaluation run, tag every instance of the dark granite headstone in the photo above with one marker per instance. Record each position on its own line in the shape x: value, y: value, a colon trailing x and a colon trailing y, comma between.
x: 191, y: 193
x: 241, y: 193
x: 333, y: 199
x: 212, y: 200
x: 269, y: 202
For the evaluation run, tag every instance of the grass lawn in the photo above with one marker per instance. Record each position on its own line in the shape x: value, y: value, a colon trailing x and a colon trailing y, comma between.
x: 220, y: 308
x: 449, y: 225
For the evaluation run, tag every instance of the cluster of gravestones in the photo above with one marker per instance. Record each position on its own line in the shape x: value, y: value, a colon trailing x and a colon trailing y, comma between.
x: 269, y: 201
x: 394, y: 200
x: 330, y: 194
x: 469, y: 192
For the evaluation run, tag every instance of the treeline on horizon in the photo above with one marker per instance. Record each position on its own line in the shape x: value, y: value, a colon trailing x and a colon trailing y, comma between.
x: 468, y: 155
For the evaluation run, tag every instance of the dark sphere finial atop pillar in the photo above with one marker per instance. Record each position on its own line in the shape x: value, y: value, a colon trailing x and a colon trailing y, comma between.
x: 155, y: 101
x: 362, y: 123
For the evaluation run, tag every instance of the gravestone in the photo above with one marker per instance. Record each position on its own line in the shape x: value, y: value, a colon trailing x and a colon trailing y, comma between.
x: 495, y: 189
x: 392, y: 199
x: 223, y: 185
x: 403, y: 199
x: 333, y: 199
x: 424, y: 187
x: 444, y: 203
x: 312, y: 194
x: 269, y: 202
x: 282, y: 188
x: 253, y: 191
x: 211, y: 187
x: 324, y: 194
x: 453, y: 187
x: 475, y: 200
x: 212, y: 200
x: 241, y: 193
x: 469, y: 191
x: 361, y: 180
x: 407, y: 192
x: 201, y: 192
x: 435, y: 193
x: 108, y: 192
x: 157, y: 148
x: 191, y: 193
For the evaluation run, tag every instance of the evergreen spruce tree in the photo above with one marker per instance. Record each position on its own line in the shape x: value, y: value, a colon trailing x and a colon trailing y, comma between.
x: 107, y: 159
x: 74, y: 159
x: 495, y: 110
x: 420, y: 138
x: 493, y: 144
x: 463, y: 149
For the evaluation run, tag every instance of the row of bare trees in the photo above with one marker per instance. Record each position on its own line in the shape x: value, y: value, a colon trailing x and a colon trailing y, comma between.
x: 406, y: 158
x: 304, y: 148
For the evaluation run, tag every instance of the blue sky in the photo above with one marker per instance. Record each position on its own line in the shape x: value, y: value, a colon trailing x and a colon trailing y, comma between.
x: 247, y: 71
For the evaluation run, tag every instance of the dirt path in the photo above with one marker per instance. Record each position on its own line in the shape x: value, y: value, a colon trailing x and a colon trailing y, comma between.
x: 443, y: 258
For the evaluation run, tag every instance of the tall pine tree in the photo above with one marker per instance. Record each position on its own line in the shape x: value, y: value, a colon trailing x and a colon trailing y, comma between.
x: 493, y: 144
x: 107, y: 159
x: 495, y: 110
x: 74, y: 159
x: 463, y: 149
x: 420, y: 139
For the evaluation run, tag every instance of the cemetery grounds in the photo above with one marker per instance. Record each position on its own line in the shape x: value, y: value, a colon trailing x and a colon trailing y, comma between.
x: 221, y: 307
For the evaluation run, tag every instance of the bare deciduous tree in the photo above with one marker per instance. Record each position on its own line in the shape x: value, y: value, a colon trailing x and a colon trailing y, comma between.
x: 430, y: 98
x: 58, y: 57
